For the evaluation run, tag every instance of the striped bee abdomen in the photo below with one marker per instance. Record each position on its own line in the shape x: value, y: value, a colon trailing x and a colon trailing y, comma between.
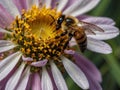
x: 81, y: 39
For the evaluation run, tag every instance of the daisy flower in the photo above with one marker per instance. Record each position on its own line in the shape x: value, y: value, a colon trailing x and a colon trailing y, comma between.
x: 38, y: 41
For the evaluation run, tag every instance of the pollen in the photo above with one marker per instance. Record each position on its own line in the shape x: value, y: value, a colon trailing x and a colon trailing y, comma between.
x: 35, y: 34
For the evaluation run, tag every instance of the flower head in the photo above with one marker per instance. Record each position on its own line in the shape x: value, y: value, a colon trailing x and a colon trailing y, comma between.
x: 39, y: 38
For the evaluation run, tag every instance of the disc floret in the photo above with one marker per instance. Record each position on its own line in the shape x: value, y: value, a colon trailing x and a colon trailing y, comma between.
x: 35, y: 34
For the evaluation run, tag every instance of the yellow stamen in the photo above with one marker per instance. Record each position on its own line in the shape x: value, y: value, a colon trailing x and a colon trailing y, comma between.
x: 35, y: 33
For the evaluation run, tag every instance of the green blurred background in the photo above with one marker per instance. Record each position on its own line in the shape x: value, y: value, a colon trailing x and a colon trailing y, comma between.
x: 109, y: 65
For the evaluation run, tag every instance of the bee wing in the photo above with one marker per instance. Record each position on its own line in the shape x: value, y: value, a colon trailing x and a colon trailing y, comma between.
x: 100, y: 32
x: 90, y: 28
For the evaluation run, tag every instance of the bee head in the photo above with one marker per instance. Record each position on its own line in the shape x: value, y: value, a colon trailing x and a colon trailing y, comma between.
x: 60, y: 19
x: 69, y: 20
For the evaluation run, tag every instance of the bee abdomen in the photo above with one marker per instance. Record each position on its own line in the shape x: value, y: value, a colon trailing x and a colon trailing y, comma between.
x: 83, y: 44
x: 81, y: 40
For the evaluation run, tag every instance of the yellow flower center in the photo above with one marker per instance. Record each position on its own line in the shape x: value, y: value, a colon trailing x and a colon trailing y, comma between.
x: 35, y: 34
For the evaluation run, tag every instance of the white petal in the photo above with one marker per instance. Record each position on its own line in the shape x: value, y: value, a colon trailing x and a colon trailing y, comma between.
x: 30, y: 3
x: 81, y: 7
x: 46, y: 81
x: 58, y: 78
x: 8, y: 64
x: 72, y: 42
x: 109, y: 33
x: 4, y: 31
x: 98, y: 46
x: 69, y: 52
x: 8, y: 59
x: 72, y: 7
x: 99, y: 20
x: 10, y: 7
x: 13, y: 81
x: 46, y: 2
x: 6, y: 45
x: 75, y: 73
x: 61, y: 5
x: 40, y: 63
x: 24, y: 80
x: 6, y: 48
x: 27, y: 58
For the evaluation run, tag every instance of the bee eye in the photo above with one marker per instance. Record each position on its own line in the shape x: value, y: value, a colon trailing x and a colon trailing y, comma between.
x: 61, y: 19
x: 69, y: 21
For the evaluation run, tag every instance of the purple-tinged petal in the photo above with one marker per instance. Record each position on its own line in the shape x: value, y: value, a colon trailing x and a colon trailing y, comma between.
x: 58, y: 78
x: 10, y: 7
x: 5, y: 17
x: 81, y: 7
x: 69, y: 51
x: 98, y: 46
x: 46, y: 82
x: 75, y: 73
x: 21, y: 4
x: 2, y: 87
x: 14, y: 79
x: 30, y: 83
x: 1, y: 36
x: 4, y: 81
x: 40, y: 63
x: 92, y: 73
x: 53, y: 4
x: 72, y: 42
x: 8, y: 64
x: 24, y: 79
x: 36, y: 83
x: 94, y: 85
x: 52, y: 79
x: 27, y: 58
x: 87, y: 66
x: 97, y: 20
x: 1, y: 56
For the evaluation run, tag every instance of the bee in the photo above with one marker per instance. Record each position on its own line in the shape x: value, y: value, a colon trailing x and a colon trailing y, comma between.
x: 77, y: 29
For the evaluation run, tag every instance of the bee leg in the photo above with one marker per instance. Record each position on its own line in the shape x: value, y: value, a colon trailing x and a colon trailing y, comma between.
x: 62, y: 34
x: 58, y: 27
x: 70, y: 37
